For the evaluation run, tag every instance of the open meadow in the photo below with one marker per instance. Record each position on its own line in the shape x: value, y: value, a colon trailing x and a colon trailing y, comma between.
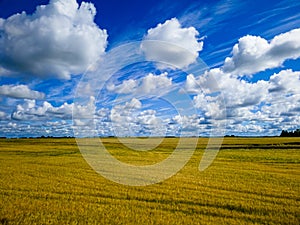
x: 251, y: 181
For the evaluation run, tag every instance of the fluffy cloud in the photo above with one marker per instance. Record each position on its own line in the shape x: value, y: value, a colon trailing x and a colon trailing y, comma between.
x: 58, y: 40
x: 286, y: 81
x: 150, y: 84
x: 172, y: 44
x: 236, y: 92
x: 253, y: 54
x: 273, y: 103
x: 130, y: 119
x: 261, y: 106
x: 123, y: 113
x: 29, y: 110
x: 190, y: 123
x: 20, y: 91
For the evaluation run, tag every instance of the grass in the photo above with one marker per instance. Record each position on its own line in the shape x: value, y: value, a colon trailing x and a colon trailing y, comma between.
x: 252, y: 181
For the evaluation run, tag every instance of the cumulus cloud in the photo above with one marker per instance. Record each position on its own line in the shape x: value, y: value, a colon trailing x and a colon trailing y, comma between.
x: 58, y: 40
x: 20, y: 91
x: 130, y: 119
x: 189, y: 123
x: 253, y: 54
x: 150, y: 84
x: 261, y: 106
x: 286, y: 81
x: 236, y: 92
x: 126, y: 110
x: 240, y: 93
x: 30, y: 110
x: 272, y: 102
x: 172, y: 44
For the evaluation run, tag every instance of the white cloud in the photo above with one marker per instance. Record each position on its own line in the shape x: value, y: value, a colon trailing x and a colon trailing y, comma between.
x: 150, y: 84
x: 286, y: 81
x: 126, y: 110
x: 123, y: 118
x: 130, y: 119
x: 58, y: 40
x: 153, y: 83
x: 172, y: 44
x: 188, y: 123
x: 133, y: 104
x: 219, y: 94
x: 273, y: 103
x: 128, y: 86
x: 191, y: 84
x: 20, y: 91
x: 261, y: 106
x: 29, y: 110
x: 35, y: 128
x: 3, y: 115
x: 253, y: 54
x: 236, y: 92
x: 12, y: 125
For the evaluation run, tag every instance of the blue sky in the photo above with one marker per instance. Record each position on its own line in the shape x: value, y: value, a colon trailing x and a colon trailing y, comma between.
x: 142, y: 68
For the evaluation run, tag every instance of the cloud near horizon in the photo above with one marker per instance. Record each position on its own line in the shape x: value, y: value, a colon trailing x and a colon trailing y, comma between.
x: 271, y: 103
x: 30, y: 110
x: 58, y: 40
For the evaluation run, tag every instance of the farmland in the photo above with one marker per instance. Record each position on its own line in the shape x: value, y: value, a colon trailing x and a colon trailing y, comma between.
x: 251, y: 181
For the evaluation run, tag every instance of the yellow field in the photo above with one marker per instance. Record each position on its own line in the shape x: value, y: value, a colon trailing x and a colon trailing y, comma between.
x: 252, y: 181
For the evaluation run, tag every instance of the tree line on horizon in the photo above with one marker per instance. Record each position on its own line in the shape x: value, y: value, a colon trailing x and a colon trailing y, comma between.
x: 295, y: 133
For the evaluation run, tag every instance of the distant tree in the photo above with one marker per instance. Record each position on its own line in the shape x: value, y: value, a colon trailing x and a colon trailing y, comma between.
x: 285, y: 133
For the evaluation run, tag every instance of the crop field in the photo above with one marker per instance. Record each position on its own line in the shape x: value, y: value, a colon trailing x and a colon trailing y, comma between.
x: 251, y: 181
